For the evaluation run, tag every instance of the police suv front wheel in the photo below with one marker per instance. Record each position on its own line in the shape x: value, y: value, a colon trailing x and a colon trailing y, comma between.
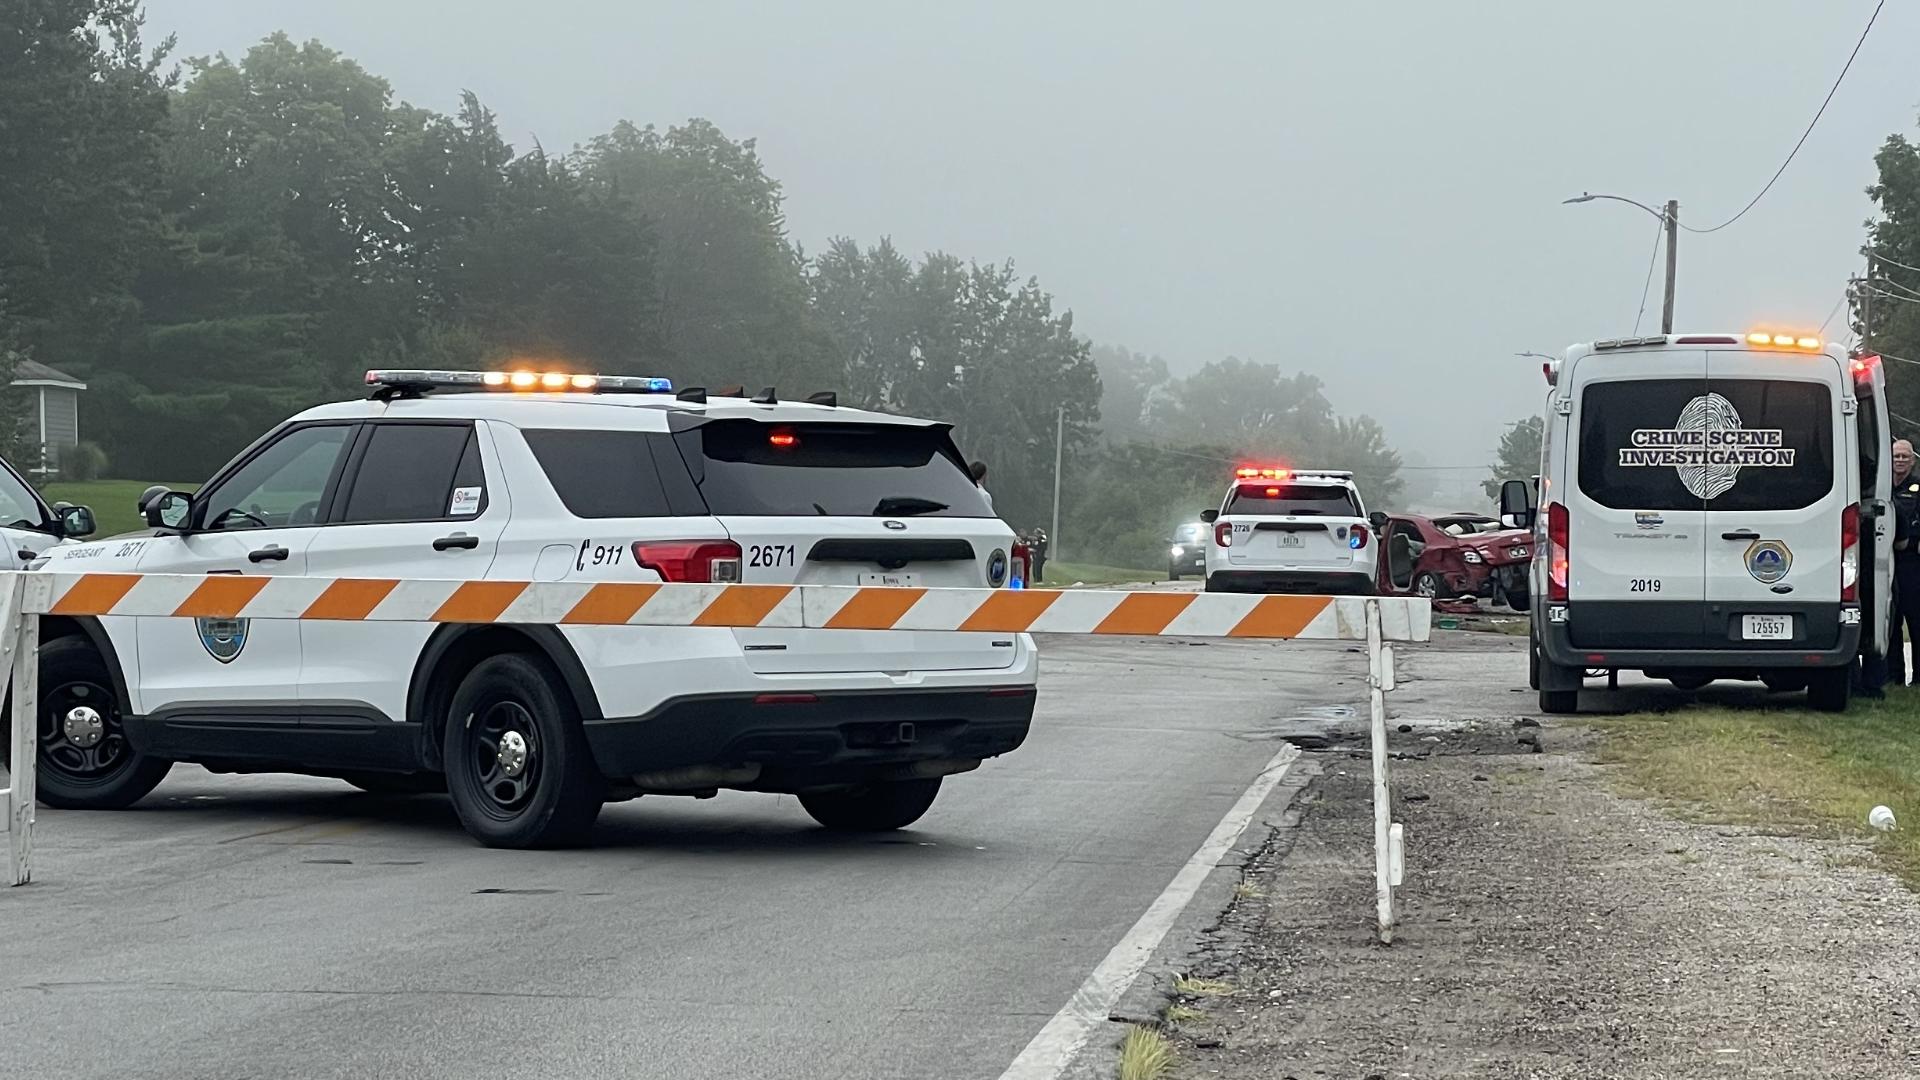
x: 517, y: 763
x: 880, y: 807
x: 86, y: 762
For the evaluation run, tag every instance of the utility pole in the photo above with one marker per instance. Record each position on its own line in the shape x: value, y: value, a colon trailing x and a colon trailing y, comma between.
x: 1673, y: 254
x: 1059, y: 433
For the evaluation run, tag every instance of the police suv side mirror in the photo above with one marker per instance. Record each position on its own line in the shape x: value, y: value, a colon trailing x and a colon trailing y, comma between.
x: 1516, y: 503
x: 165, y: 509
x: 72, y: 521
x: 1209, y: 516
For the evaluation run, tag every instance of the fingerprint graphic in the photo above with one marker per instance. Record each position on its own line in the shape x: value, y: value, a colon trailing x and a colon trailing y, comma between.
x: 1708, y: 413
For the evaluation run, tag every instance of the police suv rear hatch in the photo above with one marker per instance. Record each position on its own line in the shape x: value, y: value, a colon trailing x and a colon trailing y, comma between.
x: 1291, y: 524
x: 855, y: 503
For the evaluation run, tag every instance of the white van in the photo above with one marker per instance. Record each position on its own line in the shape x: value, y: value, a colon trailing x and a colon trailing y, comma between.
x: 1706, y: 505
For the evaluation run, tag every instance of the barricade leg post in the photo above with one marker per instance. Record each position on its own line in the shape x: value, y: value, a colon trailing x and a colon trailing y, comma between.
x: 1382, y: 801
x: 20, y: 646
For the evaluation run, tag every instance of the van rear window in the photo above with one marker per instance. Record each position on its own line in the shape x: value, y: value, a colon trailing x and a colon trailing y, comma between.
x: 1274, y: 500
x: 747, y: 467
x: 1694, y: 444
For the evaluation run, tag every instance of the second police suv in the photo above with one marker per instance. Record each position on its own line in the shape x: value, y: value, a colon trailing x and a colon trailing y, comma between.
x: 554, y: 477
x: 1292, y: 530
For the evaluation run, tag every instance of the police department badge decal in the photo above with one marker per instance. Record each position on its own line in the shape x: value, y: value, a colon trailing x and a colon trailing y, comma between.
x: 224, y: 638
x: 1768, y: 561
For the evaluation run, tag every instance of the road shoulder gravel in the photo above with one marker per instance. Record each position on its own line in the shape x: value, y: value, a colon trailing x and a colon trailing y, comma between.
x: 1549, y: 928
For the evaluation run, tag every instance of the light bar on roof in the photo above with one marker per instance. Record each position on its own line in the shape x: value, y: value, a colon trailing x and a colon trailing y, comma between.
x: 552, y: 382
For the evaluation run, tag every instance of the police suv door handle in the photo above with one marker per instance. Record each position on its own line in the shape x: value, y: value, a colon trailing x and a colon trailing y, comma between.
x: 457, y: 540
x: 270, y: 553
x: 1740, y: 534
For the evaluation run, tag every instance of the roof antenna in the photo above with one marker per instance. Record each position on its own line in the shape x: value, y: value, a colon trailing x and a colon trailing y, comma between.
x: 765, y: 397
x: 824, y: 397
x: 695, y: 394
x: 736, y: 390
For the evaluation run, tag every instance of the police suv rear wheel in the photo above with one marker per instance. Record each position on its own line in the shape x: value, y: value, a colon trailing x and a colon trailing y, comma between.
x: 86, y: 762
x: 880, y: 807
x: 518, y: 766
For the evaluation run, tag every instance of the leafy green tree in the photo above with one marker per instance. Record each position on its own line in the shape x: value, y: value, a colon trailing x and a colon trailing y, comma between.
x: 1129, y: 382
x: 1886, y: 308
x: 1519, y: 455
x: 731, y: 299
x: 83, y: 108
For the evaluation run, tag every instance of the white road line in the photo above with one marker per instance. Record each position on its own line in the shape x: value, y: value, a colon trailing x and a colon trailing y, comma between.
x: 1052, y: 1051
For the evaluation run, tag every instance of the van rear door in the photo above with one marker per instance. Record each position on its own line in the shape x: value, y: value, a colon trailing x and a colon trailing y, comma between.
x: 1779, y: 483
x: 1636, y: 502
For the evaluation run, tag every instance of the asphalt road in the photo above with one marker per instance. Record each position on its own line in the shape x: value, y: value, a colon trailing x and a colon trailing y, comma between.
x: 277, y: 926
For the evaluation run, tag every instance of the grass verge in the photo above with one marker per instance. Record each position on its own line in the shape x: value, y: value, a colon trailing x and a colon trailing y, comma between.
x: 1060, y: 574
x: 1145, y: 1054
x: 115, y: 502
x: 1791, y: 770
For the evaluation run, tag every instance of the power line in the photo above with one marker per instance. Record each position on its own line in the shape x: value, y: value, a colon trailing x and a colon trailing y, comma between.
x: 1831, y: 314
x: 1659, y: 232
x: 1803, y: 135
x: 1890, y: 262
x: 1887, y: 281
x: 1884, y: 295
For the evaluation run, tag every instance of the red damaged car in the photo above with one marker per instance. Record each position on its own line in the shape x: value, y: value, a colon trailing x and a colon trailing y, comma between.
x: 1456, y: 555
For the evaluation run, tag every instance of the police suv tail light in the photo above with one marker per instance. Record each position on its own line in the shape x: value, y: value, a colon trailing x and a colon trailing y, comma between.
x: 1850, y: 554
x: 1357, y: 537
x: 691, y: 561
x: 1559, y: 562
x: 1223, y: 534
x: 1020, y: 566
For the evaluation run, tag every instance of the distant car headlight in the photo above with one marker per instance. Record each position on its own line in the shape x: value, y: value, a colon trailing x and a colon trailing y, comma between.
x: 1472, y: 556
x: 1178, y: 551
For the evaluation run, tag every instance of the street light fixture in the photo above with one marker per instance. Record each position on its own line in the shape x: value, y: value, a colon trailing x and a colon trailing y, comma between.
x: 1671, y: 218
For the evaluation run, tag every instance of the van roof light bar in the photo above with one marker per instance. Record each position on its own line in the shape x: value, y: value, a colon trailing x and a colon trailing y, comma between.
x: 1630, y: 342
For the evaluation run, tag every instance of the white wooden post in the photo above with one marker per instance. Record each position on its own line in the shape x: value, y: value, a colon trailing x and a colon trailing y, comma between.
x: 20, y: 648
x: 1385, y: 853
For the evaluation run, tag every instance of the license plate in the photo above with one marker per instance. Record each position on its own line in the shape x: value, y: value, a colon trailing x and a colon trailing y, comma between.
x: 1766, y: 627
x: 892, y: 581
x: 1291, y: 540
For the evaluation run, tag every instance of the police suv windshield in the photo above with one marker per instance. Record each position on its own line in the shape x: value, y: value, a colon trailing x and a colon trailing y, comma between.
x: 1330, y: 500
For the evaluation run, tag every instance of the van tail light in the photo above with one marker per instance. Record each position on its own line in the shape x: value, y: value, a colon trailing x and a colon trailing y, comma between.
x: 1223, y: 534
x: 1357, y: 537
x: 1850, y: 554
x: 1021, y: 566
x: 690, y: 561
x: 1559, y: 563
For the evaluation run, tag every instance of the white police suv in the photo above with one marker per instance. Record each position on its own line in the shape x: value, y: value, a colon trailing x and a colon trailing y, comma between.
x: 554, y: 477
x: 1291, y: 530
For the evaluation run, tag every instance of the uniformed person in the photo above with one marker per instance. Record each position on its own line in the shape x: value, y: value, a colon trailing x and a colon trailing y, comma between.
x: 1906, y: 560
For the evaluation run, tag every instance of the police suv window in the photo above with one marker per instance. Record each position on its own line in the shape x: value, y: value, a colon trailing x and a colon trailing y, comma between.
x: 854, y: 470
x: 600, y: 474
x: 411, y: 472
x: 1690, y: 444
x: 280, y: 486
x: 1307, y: 499
x: 18, y: 508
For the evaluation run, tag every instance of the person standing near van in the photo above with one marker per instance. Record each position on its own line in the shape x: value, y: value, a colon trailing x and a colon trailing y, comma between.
x: 1906, y: 560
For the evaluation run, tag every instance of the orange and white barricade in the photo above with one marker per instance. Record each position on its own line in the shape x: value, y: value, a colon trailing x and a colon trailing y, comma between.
x: 27, y: 596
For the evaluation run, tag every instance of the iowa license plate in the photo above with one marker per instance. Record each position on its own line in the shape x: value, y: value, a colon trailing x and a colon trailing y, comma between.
x: 1766, y: 627
x: 896, y: 581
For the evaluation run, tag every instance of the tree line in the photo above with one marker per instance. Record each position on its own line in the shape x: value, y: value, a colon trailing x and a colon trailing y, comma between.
x: 214, y: 243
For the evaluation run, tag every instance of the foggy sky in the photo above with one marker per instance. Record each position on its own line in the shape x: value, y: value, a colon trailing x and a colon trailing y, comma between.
x: 1367, y: 191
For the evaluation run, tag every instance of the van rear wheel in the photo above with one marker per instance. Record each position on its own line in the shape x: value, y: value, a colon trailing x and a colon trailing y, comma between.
x: 1829, y: 689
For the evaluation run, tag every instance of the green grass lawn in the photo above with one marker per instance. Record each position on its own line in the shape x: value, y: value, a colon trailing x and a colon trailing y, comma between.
x: 113, y: 501
x: 1786, y: 769
x: 1066, y: 573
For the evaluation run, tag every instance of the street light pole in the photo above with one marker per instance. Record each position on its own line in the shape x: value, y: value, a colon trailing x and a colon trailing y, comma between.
x: 1059, y: 432
x: 1673, y: 257
x: 1671, y: 218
